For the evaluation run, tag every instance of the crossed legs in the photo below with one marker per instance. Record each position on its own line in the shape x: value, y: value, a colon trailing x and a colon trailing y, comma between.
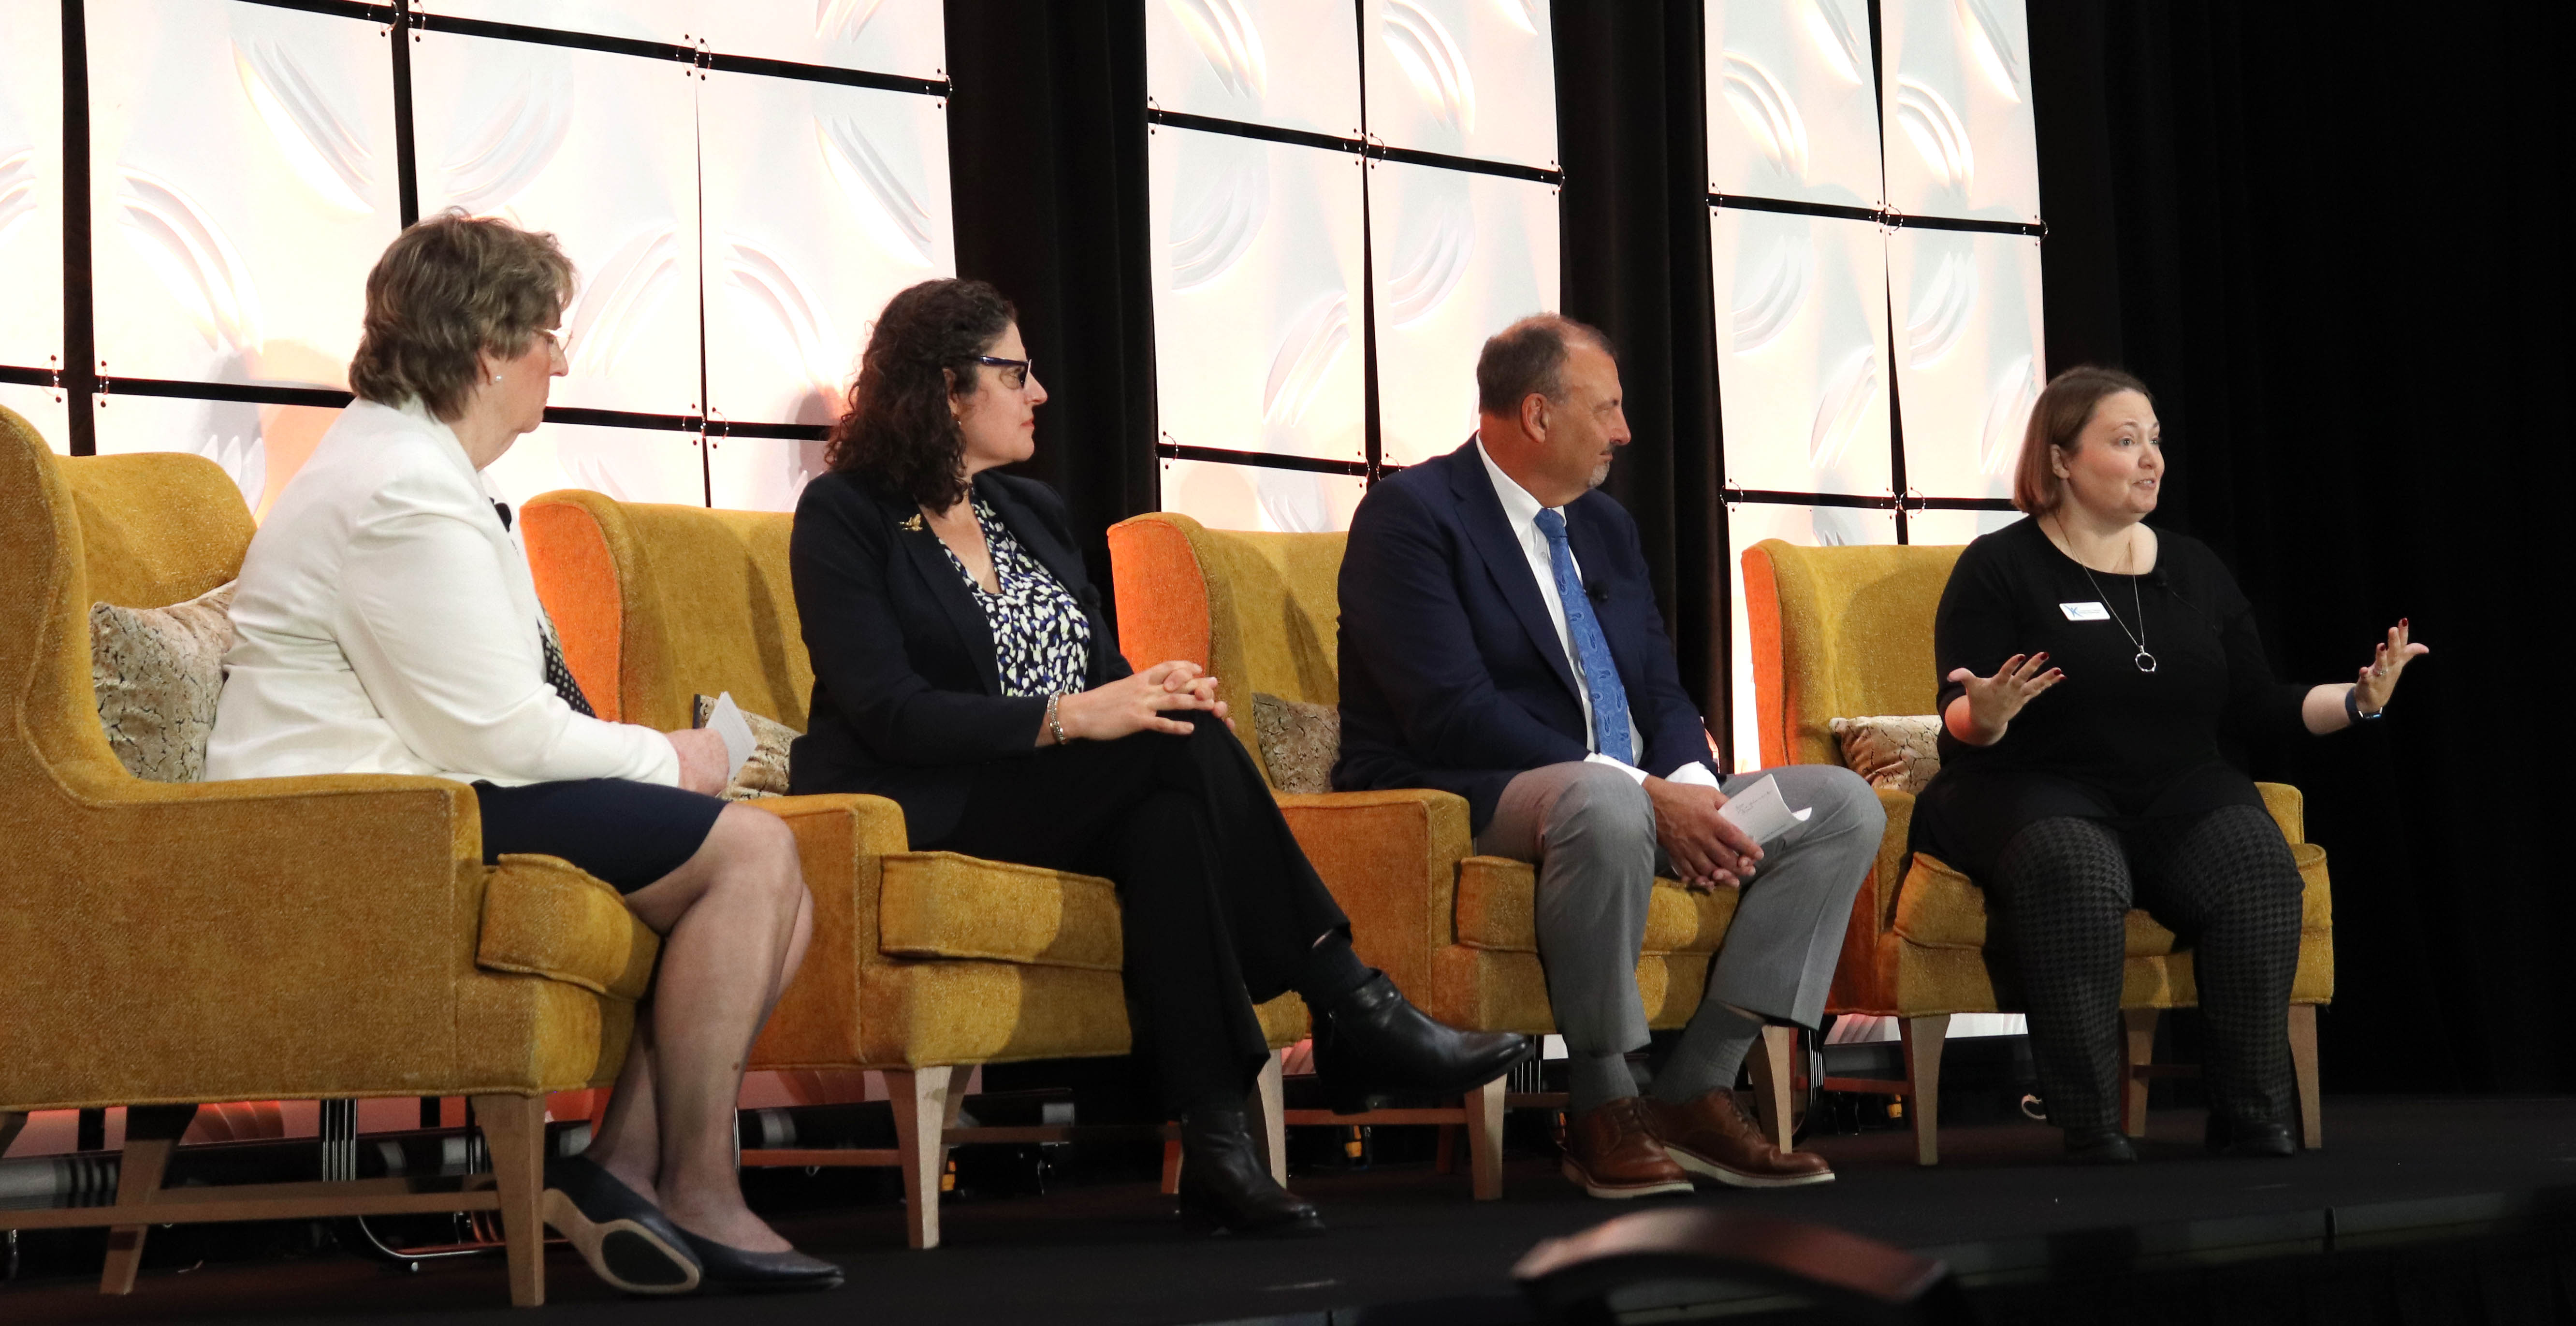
x: 734, y: 921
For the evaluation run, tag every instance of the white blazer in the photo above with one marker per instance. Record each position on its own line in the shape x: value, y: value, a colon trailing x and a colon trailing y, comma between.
x: 385, y: 622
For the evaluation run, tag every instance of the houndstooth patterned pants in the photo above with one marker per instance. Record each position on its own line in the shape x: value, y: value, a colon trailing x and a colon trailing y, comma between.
x: 2224, y: 882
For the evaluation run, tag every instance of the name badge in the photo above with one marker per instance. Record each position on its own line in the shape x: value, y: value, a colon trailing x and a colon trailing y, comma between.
x: 2085, y: 612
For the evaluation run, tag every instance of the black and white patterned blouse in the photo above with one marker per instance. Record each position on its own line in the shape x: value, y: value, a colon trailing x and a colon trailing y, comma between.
x: 1040, y: 637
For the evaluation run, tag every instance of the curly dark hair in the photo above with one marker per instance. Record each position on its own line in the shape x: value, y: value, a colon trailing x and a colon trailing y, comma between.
x: 898, y: 433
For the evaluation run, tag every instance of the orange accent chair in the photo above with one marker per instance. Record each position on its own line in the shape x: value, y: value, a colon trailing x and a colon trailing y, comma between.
x: 1847, y: 633
x: 922, y: 963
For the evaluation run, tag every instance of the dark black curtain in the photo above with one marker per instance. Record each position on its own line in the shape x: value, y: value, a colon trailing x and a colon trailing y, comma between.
x: 1046, y: 162
x: 2330, y: 242
x: 1631, y: 135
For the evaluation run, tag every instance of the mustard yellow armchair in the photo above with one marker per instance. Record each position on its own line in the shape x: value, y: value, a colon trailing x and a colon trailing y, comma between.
x: 922, y: 963
x: 1847, y: 633
x: 1454, y: 930
x: 171, y: 944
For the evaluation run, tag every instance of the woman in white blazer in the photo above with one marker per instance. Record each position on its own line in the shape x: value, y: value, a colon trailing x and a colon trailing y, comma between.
x: 385, y: 622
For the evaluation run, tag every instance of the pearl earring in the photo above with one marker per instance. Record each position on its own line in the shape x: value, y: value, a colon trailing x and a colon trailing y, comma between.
x: 496, y: 377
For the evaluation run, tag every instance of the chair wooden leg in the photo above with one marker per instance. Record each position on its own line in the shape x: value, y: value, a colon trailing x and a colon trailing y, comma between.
x: 2140, y: 1052
x: 2303, y: 1064
x: 1923, y: 1037
x: 1171, y: 1166
x: 10, y: 1123
x: 921, y: 1114
x: 152, y: 1132
x: 514, y: 1131
x: 1264, y: 1113
x: 1773, y: 1073
x: 1485, y: 1139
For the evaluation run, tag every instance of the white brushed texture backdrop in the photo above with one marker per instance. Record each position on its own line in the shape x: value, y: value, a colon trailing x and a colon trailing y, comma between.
x: 1969, y: 355
x: 1458, y: 256
x: 1791, y: 110
x: 31, y: 186
x: 1257, y: 294
x: 1287, y: 64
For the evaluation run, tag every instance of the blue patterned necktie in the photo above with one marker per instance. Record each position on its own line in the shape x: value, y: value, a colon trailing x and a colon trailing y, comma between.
x: 1591, y: 648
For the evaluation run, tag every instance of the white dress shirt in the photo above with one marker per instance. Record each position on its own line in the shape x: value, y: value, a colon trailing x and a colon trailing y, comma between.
x: 385, y: 622
x: 1520, y: 511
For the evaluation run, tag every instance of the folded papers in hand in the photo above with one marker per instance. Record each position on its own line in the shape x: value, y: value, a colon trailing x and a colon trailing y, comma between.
x: 1759, y: 811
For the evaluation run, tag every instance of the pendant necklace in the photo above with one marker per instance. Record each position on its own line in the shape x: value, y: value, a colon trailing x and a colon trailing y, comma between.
x: 2145, y: 661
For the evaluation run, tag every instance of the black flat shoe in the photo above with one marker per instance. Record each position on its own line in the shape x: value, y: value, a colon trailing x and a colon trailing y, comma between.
x: 2235, y: 1137
x: 2107, y: 1147
x: 1374, y: 1043
x: 761, y: 1271
x: 624, y: 1237
x: 1227, y: 1189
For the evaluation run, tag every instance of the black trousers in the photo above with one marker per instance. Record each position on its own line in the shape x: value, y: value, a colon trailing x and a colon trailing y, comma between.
x: 2225, y: 883
x: 1219, y: 908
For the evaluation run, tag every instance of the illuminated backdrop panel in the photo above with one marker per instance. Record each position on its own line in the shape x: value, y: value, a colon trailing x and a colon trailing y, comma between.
x: 1792, y: 111
x: 740, y: 186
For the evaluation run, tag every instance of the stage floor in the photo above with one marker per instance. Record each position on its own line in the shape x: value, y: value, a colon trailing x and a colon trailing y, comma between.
x: 2000, y: 1204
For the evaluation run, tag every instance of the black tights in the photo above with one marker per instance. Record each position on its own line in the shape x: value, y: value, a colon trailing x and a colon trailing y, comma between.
x: 2226, y: 884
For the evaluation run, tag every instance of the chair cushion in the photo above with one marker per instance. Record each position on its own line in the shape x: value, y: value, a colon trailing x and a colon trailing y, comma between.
x: 156, y: 673
x: 1498, y: 897
x: 944, y: 905
x: 544, y: 917
x: 1941, y: 908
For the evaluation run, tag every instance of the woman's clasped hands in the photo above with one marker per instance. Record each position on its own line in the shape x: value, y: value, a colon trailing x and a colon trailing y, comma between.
x: 1138, y: 703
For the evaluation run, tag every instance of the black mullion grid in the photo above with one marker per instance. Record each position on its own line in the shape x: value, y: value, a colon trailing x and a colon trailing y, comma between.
x: 80, y: 311
x: 80, y: 378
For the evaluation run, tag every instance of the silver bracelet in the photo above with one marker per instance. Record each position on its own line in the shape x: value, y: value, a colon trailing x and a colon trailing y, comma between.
x: 1055, y: 719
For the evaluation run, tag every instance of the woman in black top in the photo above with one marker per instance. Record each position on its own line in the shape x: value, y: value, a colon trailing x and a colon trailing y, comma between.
x: 963, y: 668
x: 2113, y: 792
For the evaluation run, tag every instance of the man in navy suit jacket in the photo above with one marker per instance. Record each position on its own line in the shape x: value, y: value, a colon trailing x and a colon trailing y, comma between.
x: 1500, y: 640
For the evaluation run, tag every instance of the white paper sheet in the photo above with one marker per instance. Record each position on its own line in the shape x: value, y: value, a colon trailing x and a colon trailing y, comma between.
x: 1759, y: 811
x: 727, y: 722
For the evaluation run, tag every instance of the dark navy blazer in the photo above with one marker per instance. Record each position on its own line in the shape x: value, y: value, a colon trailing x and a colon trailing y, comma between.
x: 1452, y: 674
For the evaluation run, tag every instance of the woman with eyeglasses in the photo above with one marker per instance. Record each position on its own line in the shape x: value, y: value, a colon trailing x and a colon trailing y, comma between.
x: 963, y: 668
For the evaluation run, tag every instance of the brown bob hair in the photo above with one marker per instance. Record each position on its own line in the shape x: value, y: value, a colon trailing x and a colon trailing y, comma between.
x: 2057, y: 420
x: 898, y: 434
x: 447, y: 291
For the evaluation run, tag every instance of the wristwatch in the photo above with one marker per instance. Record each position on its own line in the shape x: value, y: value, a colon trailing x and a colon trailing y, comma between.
x: 2352, y: 708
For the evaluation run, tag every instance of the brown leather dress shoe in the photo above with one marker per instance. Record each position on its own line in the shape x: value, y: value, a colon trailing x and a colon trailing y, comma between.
x: 1611, y: 1151
x: 1711, y: 1136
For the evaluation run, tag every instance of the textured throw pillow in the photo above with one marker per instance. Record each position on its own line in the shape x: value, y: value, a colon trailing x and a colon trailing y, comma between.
x: 765, y: 773
x: 1299, y: 741
x: 1899, y: 753
x: 158, y: 673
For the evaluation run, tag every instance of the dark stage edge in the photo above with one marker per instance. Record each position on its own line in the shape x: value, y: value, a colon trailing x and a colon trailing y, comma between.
x: 1408, y: 1245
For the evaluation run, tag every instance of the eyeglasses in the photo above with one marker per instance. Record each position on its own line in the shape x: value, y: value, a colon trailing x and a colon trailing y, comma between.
x: 1015, y: 372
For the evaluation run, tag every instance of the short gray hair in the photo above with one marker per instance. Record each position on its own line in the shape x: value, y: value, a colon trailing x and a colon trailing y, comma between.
x: 1528, y: 358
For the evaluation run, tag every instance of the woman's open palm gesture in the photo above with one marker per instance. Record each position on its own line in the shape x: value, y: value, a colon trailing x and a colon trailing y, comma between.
x: 2370, y: 690
x: 1993, y: 701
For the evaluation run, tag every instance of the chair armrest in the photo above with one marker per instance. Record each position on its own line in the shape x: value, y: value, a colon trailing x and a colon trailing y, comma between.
x: 1391, y: 860
x: 195, y: 938
x: 842, y: 841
